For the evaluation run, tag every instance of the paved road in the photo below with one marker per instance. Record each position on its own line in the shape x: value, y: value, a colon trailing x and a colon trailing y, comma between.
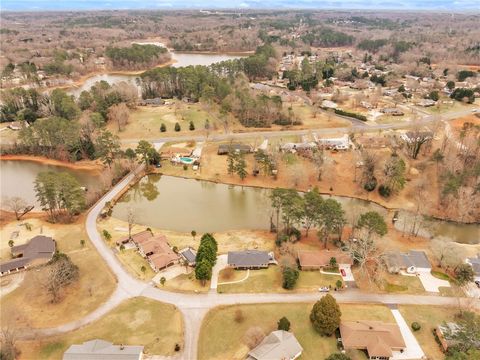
x: 195, y: 306
x: 426, y: 120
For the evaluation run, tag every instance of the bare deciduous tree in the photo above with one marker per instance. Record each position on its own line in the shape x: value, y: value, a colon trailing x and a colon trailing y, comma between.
x: 61, y: 272
x: 131, y: 221
x: 120, y: 114
x: 17, y: 205
x: 8, y: 342
x: 254, y: 336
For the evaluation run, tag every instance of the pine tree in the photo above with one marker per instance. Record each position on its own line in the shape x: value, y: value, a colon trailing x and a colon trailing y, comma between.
x: 325, y: 315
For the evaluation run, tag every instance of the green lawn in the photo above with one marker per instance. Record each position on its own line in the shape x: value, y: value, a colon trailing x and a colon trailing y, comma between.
x: 221, y: 324
x: 138, y: 321
x: 428, y: 317
x: 270, y: 280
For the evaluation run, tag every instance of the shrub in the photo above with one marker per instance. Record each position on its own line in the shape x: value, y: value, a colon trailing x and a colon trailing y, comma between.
x: 350, y: 114
x: 416, y: 326
x: 177, y: 127
x: 371, y: 184
x: 239, y: 317
x: 191, y: 127
x: 325, y: 315
x: 283, y: 324
x: 163, y: 128
x: 177, y: 347
x: 290, y: 277
x: 384, y: 191
x: 339, y: 284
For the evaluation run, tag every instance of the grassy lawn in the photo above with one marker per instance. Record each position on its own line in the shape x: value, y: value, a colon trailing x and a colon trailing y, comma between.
x: 389, y: 119
x: 145, y: 122
x: 230, y: 274
x: 306, y: 115
x: 134, y: 322
x: 270, y: 280
x: 133, y: 261
x: 220, y: 324
x: 30, y: 306
x: 390, y: 283
x: 428, y: 317
x: 185, y: 283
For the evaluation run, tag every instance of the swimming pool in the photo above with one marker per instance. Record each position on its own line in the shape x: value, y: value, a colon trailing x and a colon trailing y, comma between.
x: 186, y: 160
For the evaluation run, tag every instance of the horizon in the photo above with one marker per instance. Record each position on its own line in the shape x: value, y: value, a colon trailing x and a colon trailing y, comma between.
x: 216, y: 5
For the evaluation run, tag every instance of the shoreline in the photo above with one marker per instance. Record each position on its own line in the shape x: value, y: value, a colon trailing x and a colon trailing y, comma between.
x: 85, y: 165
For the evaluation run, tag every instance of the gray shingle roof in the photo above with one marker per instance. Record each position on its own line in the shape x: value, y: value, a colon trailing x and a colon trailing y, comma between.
x: 189, y: 254
x: 248, y: 258
x: 39, y: 247
x: 279, y: 345
x: 102, y: 350
x: 413, y: 258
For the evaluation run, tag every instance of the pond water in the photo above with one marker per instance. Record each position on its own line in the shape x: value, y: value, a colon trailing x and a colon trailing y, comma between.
x: 182, y: 59
x: 17, y: 178
x: 184, y: 204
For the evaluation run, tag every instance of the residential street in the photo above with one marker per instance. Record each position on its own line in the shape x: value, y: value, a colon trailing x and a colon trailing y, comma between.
x: 195, y: 306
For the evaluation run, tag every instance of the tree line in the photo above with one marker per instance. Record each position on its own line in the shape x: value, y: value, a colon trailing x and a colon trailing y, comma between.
x: 137, y: 56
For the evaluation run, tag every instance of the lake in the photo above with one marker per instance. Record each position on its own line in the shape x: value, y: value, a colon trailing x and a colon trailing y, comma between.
x: 182, y: 59
x: 183, y: 205
x: 17, y: 178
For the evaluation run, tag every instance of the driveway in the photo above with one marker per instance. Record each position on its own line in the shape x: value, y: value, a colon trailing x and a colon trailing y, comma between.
x: 348, y: 279
x: 219, y: 266
x: 431, y: 283
x: 413, y: 350
x: 170, y: 273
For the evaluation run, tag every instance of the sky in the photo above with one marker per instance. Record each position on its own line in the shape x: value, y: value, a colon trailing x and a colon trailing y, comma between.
x: 30, y: 5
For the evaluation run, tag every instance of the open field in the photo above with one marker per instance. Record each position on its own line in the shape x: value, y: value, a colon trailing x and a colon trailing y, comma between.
x: 29, y: 305
x: 220, y: 324
x: 134, y: 322
x: 270, y: 280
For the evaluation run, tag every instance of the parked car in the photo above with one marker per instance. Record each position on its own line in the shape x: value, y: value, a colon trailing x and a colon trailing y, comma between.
x: 343, y: 272
x: 324, y: 289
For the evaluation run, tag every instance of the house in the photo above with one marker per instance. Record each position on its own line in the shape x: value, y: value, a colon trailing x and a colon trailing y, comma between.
x: 189, y: 255
x: 100, y: 349
x: 278, y: 345
x: 224, y: 149
x: 327, y: 104
x: 152, y: 102
x: 392, y: 111
x: 426, y: 102
x: 250, y: 259
x: 444, y: 333
x: 136, y: 238
x: 475, y: 264
x: 39, y: 250
x: 315, y: 260
x: 412, y: 262
x: 380, y: 340
x: 298, y: 147
x: 156, y: 251
x: 341, y: 143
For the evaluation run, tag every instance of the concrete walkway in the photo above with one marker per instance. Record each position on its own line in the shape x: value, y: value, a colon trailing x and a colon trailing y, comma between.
x: 413, y: 350
x: 219, y: 266
x: 237, y: 281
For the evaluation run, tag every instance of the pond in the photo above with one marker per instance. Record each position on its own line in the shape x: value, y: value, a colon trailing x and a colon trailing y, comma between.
x: 181, y: 59
x: 17, y: 178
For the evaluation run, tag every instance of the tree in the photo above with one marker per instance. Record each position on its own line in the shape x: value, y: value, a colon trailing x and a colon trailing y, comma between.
x: 120, y: 114
x: 82, y: 243
x: 144, y: 150
x: 464, y: 274
x: 338, y: 356
x: 339, y: 284
x: 163, y: 128
x: 283, y: 324
x: 18, y: 206
x: 241, y: 167
x: 193, y: 233
x: 231, y: 160
x: 130, y: 221
x: 106, y: 235
x: 203, y: 271
x: 63, y: 105
x: 61, y: 273
x: 325, y: 315
x: 191, y: 126
x: 395, y: 173
x: 331, y: 219
x: 468, y: 332
x: 8, y: 342
x: 107, y: 147
x: 416, y: 139
x: 438, y: 157
x: 312, y: 207
x: 130, y: 155
x: 290, y: 277
x: 177, y: 127
x: 373, y: 223
x: 143, y: 269
x: 59, y: 194
x: 253, y: 337
x: 11, y: 243
x: 163, y: 280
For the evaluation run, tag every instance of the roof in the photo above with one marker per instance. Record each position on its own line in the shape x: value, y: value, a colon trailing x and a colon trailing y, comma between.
x: 248, y: 258
x: 378, y: 338
x: 100, y: 350
x: 161, y: 253
x: 138, y: 237
x: 279, y: 345
x: 39, y: 247
x: 414, y: 258
x: 225, y: 148
x: 189, y: 254
x: 322, y: 257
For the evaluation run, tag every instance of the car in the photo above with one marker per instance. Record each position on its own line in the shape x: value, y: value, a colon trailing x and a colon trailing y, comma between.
x: 343, y: 272
x: 474, y: 110
x: 324, y: 289
x: 477, y: 283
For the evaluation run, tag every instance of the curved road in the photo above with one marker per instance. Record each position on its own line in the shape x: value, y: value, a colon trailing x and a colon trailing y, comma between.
x: 195, y: 306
